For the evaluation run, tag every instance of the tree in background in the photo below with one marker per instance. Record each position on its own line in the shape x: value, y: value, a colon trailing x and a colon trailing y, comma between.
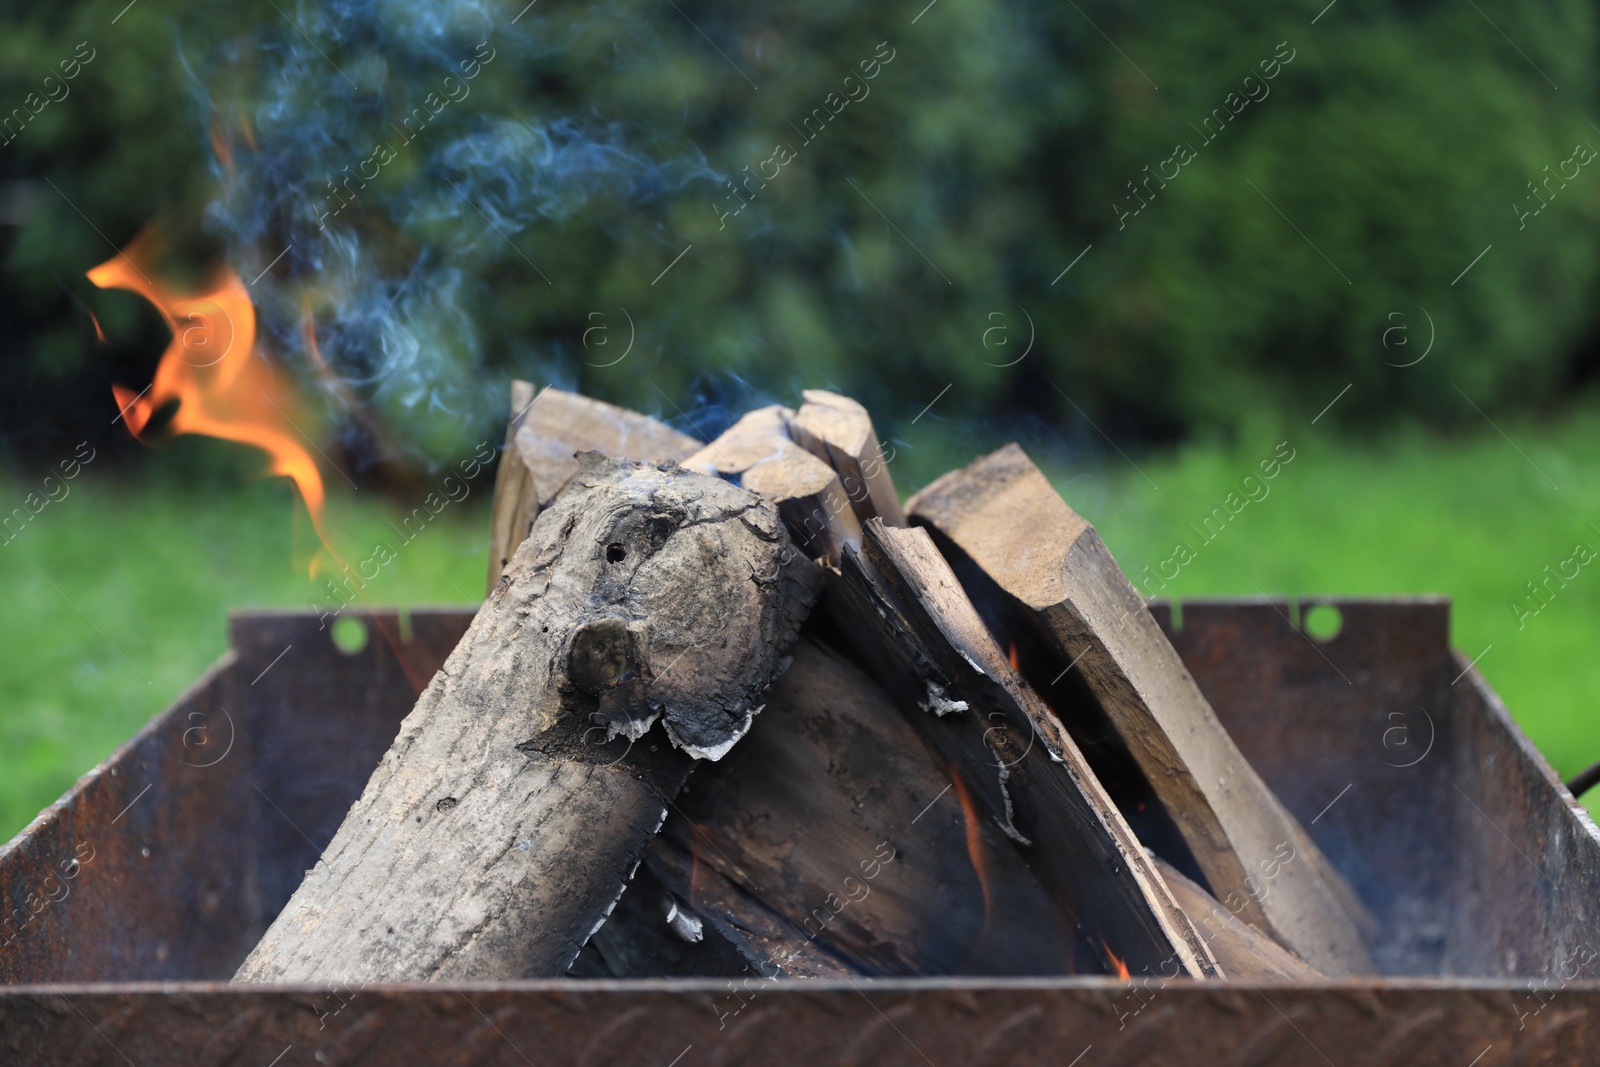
x: 882, y: 199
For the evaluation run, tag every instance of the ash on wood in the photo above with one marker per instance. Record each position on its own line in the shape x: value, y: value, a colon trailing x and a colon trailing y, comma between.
x: 502, y: 824
x: 905, y: 613
x: 1054, y: 577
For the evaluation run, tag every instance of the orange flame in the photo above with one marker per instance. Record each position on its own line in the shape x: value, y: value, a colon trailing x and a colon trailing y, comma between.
x: 969, y: 814
x: 221, y: 391
x: 1011, y: 655
x: 1120, y: 968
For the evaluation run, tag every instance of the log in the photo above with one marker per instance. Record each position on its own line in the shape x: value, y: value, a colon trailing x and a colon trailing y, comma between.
x: 636, y: 630
x: 655, y: 932
x: 763, y: 939
x: 758, y: 435
x: 516, y: 498
x: 904, y: 612
x: 1045, y: 573
x: 839, y: 430
x: 836, y: 816
x: 1241, y: 950
x: 810, y: 499
x: 558, y: 425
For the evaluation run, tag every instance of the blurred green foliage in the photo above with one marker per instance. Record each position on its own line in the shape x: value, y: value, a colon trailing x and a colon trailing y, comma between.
x: 943, y: 201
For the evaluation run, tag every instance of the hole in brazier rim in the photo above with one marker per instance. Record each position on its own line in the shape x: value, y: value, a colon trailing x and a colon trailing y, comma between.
x: 1323, y: 621
x: 445, y: 804
x: 349, y: 635
x: 615, y: 553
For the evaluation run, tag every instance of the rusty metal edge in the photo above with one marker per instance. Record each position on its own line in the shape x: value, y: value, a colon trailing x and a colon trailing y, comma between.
x: 152, y: 725
x: 1501, y: 717
x: 907, y: 986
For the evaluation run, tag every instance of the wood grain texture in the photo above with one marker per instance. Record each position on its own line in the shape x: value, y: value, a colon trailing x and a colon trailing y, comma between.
x: 838, y: 429
x: 1241, y: 950
x: 1058, y: 579
x: 559, y: 424
x: 502, y: 824
x: 756, y: 436
x: 904, y: 610
x: 810, y: 499
x: 516, y: 498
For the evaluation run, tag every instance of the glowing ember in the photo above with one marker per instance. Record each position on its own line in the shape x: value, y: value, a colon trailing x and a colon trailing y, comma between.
x: 1011, y: 654
x: 208, y: 370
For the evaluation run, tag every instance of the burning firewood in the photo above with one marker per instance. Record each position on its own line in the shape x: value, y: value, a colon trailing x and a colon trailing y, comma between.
x: 655, y: 932
x: 839, y: 430
x: 905, y: 613
x: 1051, y: 579
x: 503, y: 823
x: 838, y: 818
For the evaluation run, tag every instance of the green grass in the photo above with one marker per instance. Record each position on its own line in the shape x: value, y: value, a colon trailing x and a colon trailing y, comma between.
x: 117, y: 595
x: 117, y: 598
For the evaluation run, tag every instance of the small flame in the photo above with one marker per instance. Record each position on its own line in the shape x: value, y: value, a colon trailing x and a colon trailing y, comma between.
x: 969, y: 814
x: 1120, y: 969
x: 208, y: 369
x: 1011, y: 654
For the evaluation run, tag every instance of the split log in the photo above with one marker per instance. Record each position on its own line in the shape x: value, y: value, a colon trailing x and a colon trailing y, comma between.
x: 758, y: 435
x: 655, y: 932
x: 839, y: 430
x: 560, y: 424
x: 762, y: 938
x: 516, y: 498
x: 905, y: 613
x: 809, y: 498
x: 841, y: 819
x: 1241, y: 950
x: 1045, y: 571
x: 502, y: 824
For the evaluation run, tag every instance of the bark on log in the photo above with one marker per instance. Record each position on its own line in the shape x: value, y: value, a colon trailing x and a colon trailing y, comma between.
x: 1048, y: 573
x: 502, y: 824
x: 839, y: 430
x: 906, y: 614
x: 516, y: 498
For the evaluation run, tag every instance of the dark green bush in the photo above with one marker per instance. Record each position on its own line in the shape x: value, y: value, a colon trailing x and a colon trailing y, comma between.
x: 894, y: 251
